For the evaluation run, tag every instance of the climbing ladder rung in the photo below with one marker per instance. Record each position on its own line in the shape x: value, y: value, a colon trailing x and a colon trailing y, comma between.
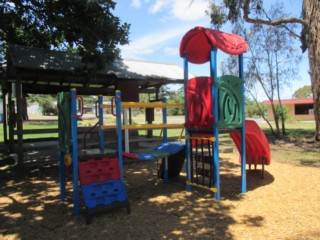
x: 211, y: 189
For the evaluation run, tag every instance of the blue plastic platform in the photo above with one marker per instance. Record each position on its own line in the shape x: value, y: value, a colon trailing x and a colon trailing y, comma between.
x: 162, y: 151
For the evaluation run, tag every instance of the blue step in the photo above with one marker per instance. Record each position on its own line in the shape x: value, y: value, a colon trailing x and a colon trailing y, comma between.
x: 103, y: 193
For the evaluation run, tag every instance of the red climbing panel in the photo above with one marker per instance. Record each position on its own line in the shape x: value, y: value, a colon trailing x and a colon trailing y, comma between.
x: 98, y: 170
x: 199, y: 103
x: 199, y: 41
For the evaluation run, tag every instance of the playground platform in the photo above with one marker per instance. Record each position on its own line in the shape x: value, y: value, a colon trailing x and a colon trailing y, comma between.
x: 42, y: 153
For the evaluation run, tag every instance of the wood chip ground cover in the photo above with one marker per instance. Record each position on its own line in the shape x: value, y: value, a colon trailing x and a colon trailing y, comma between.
x: 283, y: 205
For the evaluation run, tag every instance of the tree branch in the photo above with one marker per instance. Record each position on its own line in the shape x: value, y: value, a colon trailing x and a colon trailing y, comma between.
x: 282, y: 25
x: 276, y: 22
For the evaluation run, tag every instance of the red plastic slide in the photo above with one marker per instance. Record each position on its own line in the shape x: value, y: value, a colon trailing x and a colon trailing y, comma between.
x: 257, y: 144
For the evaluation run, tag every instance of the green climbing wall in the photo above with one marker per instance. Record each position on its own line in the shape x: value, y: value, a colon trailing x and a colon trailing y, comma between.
x: 230, y: 103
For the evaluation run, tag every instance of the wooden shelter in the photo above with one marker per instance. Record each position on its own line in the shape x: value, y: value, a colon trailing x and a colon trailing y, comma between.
x: 41, y: 71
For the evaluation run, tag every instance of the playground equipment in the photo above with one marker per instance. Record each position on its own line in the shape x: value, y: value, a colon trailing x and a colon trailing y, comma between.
x: 216, y: 105
x: 257, y: 146
x: 101, y: 175
x: 163, y: 151
x: 213, y: 105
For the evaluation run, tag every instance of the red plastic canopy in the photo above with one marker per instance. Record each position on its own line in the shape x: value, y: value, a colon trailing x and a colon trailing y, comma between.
x: 199, y: 41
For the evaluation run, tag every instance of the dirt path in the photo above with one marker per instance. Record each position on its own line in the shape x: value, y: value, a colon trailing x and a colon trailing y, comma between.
x: 284, y: 205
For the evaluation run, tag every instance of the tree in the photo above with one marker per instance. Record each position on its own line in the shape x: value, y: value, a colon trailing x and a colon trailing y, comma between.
x: 270, y: 64
x: 252, y: 11
x: 304, y: 92
x: 46, y: 102
x: 253, y: 109
x: 84, y: 26
x: 176, y: 96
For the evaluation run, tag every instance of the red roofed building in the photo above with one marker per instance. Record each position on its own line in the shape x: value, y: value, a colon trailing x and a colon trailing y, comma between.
x: 299, y: 108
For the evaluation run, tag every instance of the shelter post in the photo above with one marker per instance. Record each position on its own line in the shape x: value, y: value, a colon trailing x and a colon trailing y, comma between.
x: 5, y: 123
x: 11, y: 121
x: 19, y: 120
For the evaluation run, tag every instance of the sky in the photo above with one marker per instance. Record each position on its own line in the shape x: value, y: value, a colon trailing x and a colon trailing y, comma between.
x: 157, y: 27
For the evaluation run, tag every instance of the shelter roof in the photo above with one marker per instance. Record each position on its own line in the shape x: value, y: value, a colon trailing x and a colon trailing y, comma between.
x: 58, y: 69
x: 292, y: 101
x: 43, y: 59
x: 126, y: 68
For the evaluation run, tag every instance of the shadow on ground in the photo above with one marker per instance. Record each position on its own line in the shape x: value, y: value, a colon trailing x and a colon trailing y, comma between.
x: 30, y: 207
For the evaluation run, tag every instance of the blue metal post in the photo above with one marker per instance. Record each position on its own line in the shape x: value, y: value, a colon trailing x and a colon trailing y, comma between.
x: 243, y: 132
x: 215, y: 105
x: 165, y: 140
x: 101, y: 131
x: 119, y: 131
x: 188, y: 147
x: 74, y: 136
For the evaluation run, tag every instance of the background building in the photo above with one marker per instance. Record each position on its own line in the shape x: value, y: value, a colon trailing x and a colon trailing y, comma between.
x: 298, y: 109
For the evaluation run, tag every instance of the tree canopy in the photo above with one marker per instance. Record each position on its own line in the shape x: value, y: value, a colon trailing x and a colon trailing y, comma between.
x: 271, y: 63
x: 252, y: 11
x: 83, y: 26
x: 304, y: 92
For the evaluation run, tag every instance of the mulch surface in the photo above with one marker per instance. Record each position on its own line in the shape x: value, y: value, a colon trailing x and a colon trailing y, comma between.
x: 283, y: 205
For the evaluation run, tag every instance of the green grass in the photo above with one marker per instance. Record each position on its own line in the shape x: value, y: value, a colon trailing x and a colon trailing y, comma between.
x: 35, y: 126
x: 297, y: 133
x: 294, y: 130
x: 294, y: 125
x: 298, y: 146
x: 305, y: 158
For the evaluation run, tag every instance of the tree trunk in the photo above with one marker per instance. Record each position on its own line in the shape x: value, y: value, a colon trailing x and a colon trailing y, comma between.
x: 311, y: 13
x: 282, y: 118
x: 283, y: 126
x: 262, y: 113
x: 276, y: 119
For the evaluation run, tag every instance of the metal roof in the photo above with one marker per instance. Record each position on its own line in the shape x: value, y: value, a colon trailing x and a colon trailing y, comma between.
x: 37, y: 58
x: 22, y: 57
x: 128, y: 68
x: 39, y: 67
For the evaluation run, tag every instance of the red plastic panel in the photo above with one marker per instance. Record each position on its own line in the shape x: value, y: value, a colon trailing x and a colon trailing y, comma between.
x: 98, y: 170
x: 257, y: 144
x: 199, y: 41
x: 199, y: 103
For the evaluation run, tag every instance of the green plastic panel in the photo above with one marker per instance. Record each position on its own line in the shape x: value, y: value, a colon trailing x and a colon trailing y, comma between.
x: 230, y: 103
x: 64, y: 121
